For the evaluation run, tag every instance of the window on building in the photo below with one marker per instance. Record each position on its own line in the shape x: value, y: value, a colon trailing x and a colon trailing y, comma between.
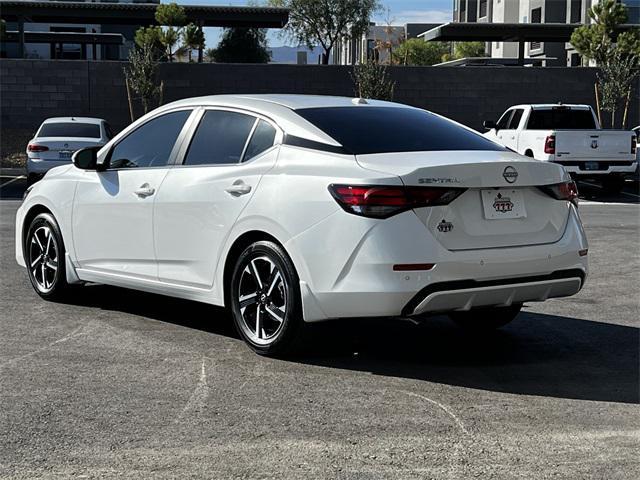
x: 575, y: 15
x: 482, y: 9
x: 536, y: 17
x: 68, y: 51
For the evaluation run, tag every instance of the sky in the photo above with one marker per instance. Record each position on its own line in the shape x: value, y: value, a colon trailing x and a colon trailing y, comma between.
x: 398, y: 11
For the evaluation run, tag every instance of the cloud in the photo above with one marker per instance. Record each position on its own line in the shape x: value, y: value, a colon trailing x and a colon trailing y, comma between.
x: 416, y: 16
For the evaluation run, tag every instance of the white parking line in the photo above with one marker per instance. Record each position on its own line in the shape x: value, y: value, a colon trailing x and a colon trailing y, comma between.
x: 622, y: 204
x: 13, y: 179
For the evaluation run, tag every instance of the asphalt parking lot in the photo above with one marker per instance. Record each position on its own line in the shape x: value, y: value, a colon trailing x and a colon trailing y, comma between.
x: 125, y: 384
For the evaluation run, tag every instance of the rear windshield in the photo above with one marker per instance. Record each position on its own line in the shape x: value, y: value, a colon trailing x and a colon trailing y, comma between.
x: 363, y: 130
x: 70, y: 129
x: 561, y: 119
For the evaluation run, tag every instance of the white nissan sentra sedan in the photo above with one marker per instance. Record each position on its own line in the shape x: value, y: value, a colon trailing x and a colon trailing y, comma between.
x: 57, y: 139
x: 290, y: 209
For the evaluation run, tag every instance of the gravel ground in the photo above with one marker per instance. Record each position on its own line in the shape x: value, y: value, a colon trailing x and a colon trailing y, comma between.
x: 126, y: 384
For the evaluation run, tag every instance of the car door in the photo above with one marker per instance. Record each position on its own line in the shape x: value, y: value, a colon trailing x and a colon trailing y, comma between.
x: 113, y: 209
x: 502, y: 125
x: 201, y: 199
x: 509, y: 136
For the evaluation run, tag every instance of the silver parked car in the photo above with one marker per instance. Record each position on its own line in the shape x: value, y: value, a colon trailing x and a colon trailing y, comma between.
x: 58, y: 138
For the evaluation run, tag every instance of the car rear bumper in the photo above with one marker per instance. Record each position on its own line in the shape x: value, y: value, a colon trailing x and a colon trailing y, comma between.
x: 368, y: 286
x: 580, y: 168
x: 463, y: 296
x: 38, y: 167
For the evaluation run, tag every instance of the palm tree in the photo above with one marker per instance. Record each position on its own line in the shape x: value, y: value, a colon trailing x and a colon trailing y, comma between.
x: 192, y: 39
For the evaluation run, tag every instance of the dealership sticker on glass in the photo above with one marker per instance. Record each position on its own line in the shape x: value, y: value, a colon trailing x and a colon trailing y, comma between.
x: 503, y: 203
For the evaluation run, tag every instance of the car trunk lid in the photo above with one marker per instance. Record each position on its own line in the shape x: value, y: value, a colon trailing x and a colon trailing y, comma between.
x: 62, y: 148
x: 501, y: 206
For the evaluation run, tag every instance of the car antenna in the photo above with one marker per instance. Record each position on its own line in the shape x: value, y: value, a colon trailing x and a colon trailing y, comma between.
x: 359, y: 101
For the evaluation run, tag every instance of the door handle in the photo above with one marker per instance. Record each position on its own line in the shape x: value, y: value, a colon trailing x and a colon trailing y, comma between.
x: 145, y: 191
x: 238, y: 188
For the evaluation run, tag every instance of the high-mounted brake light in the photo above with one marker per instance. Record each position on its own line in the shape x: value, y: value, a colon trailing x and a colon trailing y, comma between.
x: 34, y: 147
x: 634, y: 144
x: 550, y: 144
x: 562, y: 191
x: 382, y: 201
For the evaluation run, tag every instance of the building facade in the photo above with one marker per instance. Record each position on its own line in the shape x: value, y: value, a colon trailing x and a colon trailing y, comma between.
x: 534, y: 11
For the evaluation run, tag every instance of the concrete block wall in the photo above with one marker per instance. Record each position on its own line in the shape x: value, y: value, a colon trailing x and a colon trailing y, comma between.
x: 32, y: 90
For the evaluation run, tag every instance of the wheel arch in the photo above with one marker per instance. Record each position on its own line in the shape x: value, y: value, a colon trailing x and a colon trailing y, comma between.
x: 32, y: 213
x: 237, y: 247
x: 528, y: 153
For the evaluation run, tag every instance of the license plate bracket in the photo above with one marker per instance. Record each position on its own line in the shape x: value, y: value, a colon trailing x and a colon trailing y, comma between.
x: 65, y: 155
x: 591, y: 165
x: 503, y: 203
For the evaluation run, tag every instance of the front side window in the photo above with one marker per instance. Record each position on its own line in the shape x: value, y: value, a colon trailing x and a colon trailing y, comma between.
x: 220, y: 138
x: 262, y: 139
x: 151, y: 144
x: 70, y: 129
x: 365, y: 130
x: 504, y: 120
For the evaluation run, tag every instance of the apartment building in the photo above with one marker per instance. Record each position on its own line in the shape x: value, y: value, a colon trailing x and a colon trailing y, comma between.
x: 533, y: 11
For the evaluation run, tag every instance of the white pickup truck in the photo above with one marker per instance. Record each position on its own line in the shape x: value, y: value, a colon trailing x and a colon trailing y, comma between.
x: 571, y: 136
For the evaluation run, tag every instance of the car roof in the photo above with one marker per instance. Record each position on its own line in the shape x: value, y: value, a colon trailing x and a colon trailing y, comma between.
x: 281, y: 109
x: 95, y: 121
x: 545, y: 106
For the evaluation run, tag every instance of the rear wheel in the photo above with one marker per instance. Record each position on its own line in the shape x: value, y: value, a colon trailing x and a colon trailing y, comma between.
x: 613, y: 184
x: 44, y: 255
x: 483, y: 319
x: 265, y: 299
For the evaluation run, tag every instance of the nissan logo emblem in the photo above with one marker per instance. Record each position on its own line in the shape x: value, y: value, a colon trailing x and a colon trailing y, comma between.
x: 510, y: 174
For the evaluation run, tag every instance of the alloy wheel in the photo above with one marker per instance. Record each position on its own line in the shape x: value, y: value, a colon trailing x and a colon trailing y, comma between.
x: 262, y: 298
x: 43, y: 258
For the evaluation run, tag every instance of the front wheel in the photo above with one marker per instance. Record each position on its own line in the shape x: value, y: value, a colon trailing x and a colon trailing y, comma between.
x: 483, y: 319
x: 265, y: 299
x: 44, y: 255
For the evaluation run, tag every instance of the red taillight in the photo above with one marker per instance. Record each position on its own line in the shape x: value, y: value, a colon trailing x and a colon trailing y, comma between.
x: 562, y: 191
x: 550, y: 144
x: 34, y: 147
x: 381, y: 201
x: 634, y: 144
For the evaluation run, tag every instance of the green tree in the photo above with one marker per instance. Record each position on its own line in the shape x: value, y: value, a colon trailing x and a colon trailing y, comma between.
x: 416, y: 51
x: 619, y: 59
x: 141, y: 75
x: 324, y: 22
x: 210, y: 54
x: 173, y: 18
x: 150, y: 37
x: 193, y: 39
x: 242, y: 45
x: 371, y: 80
x: 469, y: 49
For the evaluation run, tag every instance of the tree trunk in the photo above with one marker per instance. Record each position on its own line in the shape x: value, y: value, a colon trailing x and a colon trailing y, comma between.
x: 126, y: 81
x: 325, y: 56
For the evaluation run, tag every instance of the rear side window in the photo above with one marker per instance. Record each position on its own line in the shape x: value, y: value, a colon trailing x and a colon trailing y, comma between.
x: 515, y: 119
x: 151, y: 144
x: 262, y: 139
x: 220, y: 138
x: 364, y: 130
x: 561, y: 119
x: 70, y: 129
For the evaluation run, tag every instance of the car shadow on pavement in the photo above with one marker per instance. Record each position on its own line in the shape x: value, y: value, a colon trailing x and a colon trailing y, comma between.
x: 537, y: 354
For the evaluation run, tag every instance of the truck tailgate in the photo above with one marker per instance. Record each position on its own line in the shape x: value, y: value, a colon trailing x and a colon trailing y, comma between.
x: 593, y: 144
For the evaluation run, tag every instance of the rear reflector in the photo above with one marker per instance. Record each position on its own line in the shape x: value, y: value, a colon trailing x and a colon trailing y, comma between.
x: 584, y: 252
x: 34, y: 147
x: 550, y: 144
x: 410, y: 267
x: 562, y: 191
x: 382, y: 201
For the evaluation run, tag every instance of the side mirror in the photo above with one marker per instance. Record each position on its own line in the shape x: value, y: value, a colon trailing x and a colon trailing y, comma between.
x: 489, y: 124
x: 86, y: 158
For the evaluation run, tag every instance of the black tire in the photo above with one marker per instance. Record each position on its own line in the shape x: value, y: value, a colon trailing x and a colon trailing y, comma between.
x: 613, y: 184
x: 485, y: 319
x: 274, y: 298
x: 45, y: 258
